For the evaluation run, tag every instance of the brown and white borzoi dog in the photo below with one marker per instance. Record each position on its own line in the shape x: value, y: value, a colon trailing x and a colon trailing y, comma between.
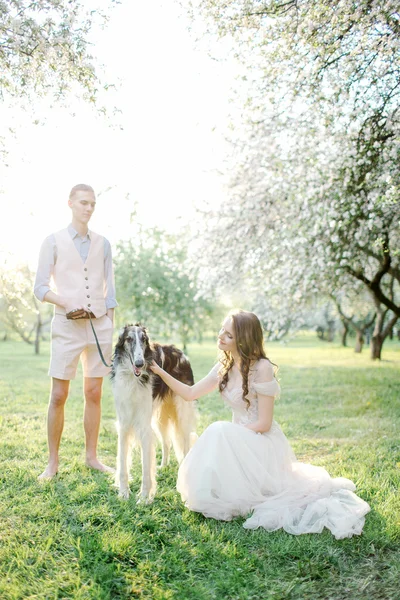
x: 143, y: 402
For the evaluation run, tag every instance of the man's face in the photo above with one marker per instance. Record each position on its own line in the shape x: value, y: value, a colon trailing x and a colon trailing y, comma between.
x: 82, y: 205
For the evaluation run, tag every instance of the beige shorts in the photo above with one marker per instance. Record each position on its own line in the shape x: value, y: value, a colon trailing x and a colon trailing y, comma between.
x: 71, y: 340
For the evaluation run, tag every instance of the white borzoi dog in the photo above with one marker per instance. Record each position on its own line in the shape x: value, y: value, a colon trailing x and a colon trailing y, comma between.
x: 144, y: 402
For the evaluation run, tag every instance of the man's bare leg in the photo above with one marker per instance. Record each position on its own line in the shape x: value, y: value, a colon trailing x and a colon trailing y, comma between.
x: 55, y: 424
x: 92, y: 388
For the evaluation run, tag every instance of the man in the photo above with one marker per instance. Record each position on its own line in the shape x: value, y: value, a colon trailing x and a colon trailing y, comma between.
x: 80, y: 263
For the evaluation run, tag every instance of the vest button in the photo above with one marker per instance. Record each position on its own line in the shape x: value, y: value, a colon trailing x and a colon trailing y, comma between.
x: 87, y: 296
x: 89, y: 305
x: 85, y: 269
x: 86, y: 278
x: 87, y: 287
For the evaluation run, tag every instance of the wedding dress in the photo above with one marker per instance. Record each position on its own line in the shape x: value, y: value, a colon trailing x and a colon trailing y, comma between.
x: 232, y: 471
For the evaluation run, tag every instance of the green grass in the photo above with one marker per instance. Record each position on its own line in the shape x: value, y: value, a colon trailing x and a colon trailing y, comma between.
x: 73, y: 537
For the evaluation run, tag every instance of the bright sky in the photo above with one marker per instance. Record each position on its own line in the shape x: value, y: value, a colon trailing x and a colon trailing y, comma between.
x: 163, y: 151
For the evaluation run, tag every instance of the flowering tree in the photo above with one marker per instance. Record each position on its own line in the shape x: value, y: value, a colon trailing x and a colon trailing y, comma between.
x: 315, y: 193
x: 356, y: 234
x: 44, y: 46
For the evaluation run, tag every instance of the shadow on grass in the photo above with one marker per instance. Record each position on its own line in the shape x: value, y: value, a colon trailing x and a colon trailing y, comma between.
x: 79, y: 540
x: 124, y: 550
x: 73, y: 537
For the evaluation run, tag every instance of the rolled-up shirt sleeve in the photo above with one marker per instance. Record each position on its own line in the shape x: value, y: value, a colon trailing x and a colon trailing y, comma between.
x: 109, y: 283
x: 45, y: 268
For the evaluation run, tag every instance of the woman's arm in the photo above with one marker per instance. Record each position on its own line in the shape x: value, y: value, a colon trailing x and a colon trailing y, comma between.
x: 265, y: 414
x: 188, y: 392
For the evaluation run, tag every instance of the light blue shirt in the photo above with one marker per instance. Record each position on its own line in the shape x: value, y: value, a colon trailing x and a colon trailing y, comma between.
x: 48, y: 258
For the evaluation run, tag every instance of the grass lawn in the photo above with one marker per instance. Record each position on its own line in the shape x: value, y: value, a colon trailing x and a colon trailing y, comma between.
x: 73, y: 538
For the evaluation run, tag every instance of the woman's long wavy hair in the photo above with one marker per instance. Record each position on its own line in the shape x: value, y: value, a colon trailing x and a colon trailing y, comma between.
x: 249, y: 342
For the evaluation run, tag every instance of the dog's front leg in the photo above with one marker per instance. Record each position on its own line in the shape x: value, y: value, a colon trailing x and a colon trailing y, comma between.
x: 148, y: 488
x: 123, y: 461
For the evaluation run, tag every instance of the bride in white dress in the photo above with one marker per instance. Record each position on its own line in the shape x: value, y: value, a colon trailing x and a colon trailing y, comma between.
x: 248, y: 466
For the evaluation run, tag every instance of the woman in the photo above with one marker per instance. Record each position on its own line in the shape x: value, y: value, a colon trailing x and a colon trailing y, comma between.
x: 248, y: 465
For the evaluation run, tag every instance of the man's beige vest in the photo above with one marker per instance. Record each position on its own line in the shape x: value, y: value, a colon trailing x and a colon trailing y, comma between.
x: 82, y: 282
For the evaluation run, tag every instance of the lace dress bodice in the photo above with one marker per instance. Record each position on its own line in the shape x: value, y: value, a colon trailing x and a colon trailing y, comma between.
x: 241, y: 413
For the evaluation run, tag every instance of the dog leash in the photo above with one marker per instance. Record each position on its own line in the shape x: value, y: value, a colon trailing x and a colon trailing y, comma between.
x: 97, y: 343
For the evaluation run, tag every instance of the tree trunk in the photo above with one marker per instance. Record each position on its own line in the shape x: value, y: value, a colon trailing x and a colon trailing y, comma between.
x: 38, y: 333
x: 376, y: 346
x: 344, y: 333
x: 184, y: 340
x: 378, y: 336
x: 359, y: 341
x: 381, y: 332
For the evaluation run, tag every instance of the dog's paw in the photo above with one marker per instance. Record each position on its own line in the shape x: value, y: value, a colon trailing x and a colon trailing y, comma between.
x: 124, y: 493
x: 144, y: 499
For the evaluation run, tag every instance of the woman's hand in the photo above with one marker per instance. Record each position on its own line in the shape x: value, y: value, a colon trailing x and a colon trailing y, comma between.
x: 187, y: 392
x: 155, y: 368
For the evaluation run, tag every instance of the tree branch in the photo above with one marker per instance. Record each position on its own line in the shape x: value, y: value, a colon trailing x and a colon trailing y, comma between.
x: 375, y: 290
x: 371, y: 322
x: 394, y: 271
x: 389, y: 326
x: 385, y: 264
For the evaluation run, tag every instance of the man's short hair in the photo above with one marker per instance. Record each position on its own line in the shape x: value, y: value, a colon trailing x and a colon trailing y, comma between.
x: 81, y: 187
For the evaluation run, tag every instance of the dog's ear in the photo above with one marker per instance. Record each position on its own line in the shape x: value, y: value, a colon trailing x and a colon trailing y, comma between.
x: 137, y: 325
x: 157, y: 354
x: 121, y: 337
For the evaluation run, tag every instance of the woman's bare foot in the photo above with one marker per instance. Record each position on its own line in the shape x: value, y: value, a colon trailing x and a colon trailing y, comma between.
x: 94, y: 463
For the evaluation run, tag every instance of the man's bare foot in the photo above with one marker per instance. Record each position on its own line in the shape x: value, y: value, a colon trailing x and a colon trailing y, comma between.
x: 49, y: 472
x: 94, y: 463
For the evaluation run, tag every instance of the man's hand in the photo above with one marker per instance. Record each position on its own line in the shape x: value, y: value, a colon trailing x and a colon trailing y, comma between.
x: 70, y: 306
x: 73, y: 310
x: 76, y: 313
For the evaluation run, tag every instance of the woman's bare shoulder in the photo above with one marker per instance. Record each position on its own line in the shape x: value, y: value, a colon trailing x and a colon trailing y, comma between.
x: 264, y: 370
